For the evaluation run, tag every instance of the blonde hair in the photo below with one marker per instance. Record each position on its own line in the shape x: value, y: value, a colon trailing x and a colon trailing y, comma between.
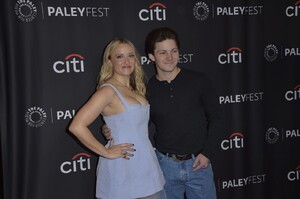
x: 136, y: 78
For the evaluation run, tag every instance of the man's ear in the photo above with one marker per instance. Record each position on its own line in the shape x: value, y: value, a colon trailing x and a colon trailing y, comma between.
x: 151, y: 57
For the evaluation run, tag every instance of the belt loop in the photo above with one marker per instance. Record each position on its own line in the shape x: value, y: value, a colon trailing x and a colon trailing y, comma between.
x: 193, y: 157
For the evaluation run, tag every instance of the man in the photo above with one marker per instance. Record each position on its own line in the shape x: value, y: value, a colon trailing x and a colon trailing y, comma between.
x: 185, y: 111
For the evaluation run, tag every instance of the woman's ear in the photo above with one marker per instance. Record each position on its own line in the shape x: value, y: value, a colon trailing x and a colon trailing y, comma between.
x: 109, y: 62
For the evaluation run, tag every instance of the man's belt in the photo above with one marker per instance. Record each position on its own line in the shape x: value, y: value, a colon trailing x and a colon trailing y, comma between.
x: 179, y: 158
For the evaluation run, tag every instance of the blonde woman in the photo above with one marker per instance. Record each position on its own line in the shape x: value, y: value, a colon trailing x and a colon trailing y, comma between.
x: 128, y: 167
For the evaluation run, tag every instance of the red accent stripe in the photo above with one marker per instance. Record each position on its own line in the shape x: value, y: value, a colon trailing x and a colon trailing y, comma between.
x: 73, y: 55
x: 157, y: 4
x: 81, y: 154
x: 234, y: 48
x: 236, y: 134
x: 296, y: 87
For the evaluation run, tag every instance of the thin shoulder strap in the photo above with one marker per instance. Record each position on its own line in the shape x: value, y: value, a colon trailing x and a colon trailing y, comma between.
x: 118, y: 93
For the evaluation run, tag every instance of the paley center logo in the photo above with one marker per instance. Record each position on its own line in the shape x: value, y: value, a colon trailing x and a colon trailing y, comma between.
x: 35, y: 116
x: 232, y: 56
x: 71, y: 63
x: 271, y: 52
x: 25, y: 10
x: 79, y: 162
x: 293, y: 94
x: 201, y: 10
x: 294, y: 174
x: 235, y: 141
x: 294, y: 10
x: 156, y: 11
x: 273, y: 135
x: 61, y: 115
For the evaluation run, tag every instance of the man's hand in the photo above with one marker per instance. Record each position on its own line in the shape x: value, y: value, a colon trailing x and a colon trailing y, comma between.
x: 200, y: 162
x: 106, y: 132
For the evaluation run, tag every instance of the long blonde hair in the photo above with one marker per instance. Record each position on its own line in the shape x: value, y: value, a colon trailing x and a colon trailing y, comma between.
x: 106, y: 72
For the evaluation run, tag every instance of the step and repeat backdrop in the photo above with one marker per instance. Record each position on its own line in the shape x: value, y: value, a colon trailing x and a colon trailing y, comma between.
x: 51, y: 54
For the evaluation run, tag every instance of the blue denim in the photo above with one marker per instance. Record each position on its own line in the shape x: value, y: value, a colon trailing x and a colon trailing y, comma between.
x: 180, y: 179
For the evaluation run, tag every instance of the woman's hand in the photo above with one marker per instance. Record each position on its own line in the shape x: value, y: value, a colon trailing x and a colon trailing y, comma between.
x: 120, y: 150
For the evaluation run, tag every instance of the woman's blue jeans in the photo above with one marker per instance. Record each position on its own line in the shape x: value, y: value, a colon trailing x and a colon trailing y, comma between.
x: 180, y: 179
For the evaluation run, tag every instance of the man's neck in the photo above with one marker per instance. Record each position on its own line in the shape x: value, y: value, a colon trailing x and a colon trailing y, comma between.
x: 167, y: 76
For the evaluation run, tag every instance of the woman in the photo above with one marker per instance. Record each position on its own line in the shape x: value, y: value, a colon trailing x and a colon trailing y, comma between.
x: 128, y: 167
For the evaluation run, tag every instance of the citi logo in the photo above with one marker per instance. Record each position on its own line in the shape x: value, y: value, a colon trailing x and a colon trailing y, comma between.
x: 293, y: 11
x: 235, y: 141
x: 79, y: 162
x: 156, y: 11
x: 294, y: 94
x: 233, y: 55
x: 71, y: 63
x: 294, y: 175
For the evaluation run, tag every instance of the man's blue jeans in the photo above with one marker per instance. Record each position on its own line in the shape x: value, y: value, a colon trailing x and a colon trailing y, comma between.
x: 180, y: 179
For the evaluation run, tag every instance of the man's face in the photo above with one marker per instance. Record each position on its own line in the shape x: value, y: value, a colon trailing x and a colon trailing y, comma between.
x: 166, y: 55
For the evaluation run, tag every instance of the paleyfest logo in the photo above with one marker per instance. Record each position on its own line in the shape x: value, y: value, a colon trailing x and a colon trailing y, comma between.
x: 25, y: 10
x: 35, y: 116
x: 241, y: 182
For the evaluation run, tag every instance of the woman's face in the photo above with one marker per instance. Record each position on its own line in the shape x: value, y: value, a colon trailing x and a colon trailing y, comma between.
x: 123, y: 60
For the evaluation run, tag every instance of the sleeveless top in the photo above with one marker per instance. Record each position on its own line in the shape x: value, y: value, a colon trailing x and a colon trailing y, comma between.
x: 141, y: 175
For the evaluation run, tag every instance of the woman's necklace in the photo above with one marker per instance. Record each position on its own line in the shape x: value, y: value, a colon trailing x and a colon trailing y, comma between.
x: 131, y: 89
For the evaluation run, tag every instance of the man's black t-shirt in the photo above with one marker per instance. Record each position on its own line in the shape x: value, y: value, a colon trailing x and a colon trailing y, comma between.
x: 186, y: 113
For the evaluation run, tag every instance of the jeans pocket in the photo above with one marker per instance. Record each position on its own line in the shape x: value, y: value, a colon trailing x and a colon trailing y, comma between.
x: 160, y: 156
